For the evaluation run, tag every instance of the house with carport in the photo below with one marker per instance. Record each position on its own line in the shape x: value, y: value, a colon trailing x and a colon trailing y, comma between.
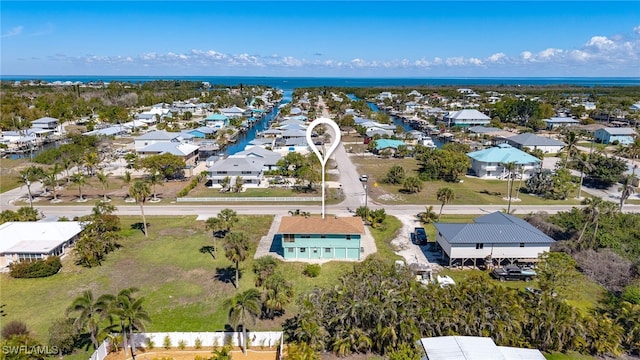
x: 314, y: 238
x: 490, y: 163
x: 497, y: 237
x: 30, y: 241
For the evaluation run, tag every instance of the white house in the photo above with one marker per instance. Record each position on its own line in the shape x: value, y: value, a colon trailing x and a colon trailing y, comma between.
x: 28, y: 241
x: 473, y: 348
x: 497, y: 236
x: 558, y: 122
x: 153, y: 137
x: 490, y: 163
x: 249, y: 168
x: 234, y: 112
x: 466, y: 118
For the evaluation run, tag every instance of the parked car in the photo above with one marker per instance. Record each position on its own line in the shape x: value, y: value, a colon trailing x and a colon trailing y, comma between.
x: 420, y: 236
x: 512, y: 272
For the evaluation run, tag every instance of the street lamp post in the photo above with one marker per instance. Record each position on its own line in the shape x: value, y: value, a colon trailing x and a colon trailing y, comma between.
x: 366, y: 202
x: 28, y: 183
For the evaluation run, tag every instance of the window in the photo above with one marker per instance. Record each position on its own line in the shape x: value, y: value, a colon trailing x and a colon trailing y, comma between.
x: 315, y: 250
x: 246, y: 172
x: 289, y: 238
x: 327, y: 250
x: 323, y: 236
x: 521, y: 244
x: 303, y: 250
x: 290, y: 250
x: 348, y: 237
x: 479, y: 246
x: 305, y: 236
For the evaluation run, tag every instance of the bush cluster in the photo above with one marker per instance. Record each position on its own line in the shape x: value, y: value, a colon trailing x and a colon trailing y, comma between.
x: 312, y: 270
x: 35, y: 269
x: 194, y: 182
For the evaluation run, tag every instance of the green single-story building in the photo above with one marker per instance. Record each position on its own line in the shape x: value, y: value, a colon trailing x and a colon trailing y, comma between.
x: 335, y: 238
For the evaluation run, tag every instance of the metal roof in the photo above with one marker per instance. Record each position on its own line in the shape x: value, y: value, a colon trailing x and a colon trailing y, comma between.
x: 619, y: 131
x: 503, y: 153
x: 474, y: 348
x: 36, y: 237
x: 495, y: 228
x: 529, y: 139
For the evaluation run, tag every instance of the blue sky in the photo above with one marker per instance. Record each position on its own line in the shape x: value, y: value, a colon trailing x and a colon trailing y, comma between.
x: 321, y: 38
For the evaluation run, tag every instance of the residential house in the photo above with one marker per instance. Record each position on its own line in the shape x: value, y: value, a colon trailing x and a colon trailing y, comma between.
x: 216, y: 121
x: 30, y: 241
x: 532, y: 141
x: 188, y: 152
x: 497, y: 237
x: 489, y: 163
x: 270, y: 158
x: 382, y: 144
x: 159, y: 136
x: 147, y: 118
x: 608, y: 135
x: 473, y: 348
x: 559, y: 122
x: 203, y: 132
x: 234, y: 112
x: 47, y: 125
x: 249, y: 168
x: 466, y: 118
x: 335, y: 238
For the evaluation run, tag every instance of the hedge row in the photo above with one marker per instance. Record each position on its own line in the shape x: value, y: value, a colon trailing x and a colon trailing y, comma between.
x: 35, y: 269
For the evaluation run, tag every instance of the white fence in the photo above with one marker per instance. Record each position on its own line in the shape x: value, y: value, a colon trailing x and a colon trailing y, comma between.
x: 255, y: 340
x: 101, y: 352
x: 247, y: 199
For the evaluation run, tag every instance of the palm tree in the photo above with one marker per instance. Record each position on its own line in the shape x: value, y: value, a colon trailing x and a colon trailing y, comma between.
x: 428, y: 216
x: 446, y: 196
x: 79, y: 179
x: 224, y: 183
x: 633, y: 151
x: 236, y: 248
x: 91, y: 161
x: 626, y: 190
x: 238, y: 185
x: 229, y: 218
x: 412, y: 184
x: 104, y: 181
x: 91, y: 313
x: 583, y: 164
x: 155, y: 179
x: 243, y: 307
x: 131, y: 314
x: 139, y: 190
x: 509, y: 167
x: 594, y: 210
x: 215, y: 225
x: 571, y: 149
x: 28, y: 176
x: 279, y: 294
x: 50, y: 179
x: 126, y: 180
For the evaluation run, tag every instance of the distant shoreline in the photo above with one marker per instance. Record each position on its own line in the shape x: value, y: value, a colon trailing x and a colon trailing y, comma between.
x: 302, y: 82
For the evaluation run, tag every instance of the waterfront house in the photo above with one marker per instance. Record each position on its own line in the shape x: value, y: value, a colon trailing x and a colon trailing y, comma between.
x: 536, y: 142
x: 466, y: 118
x: 159, y: 136
x: 47, y: 125
x: 501, y: 237
x: 559, y: 122
x: 608, y: 135
x: 203, y: 132
x: 382, y: 144
x: 235, y: 112
x: 216, y: 121
x: 315, y: 238
x: 249, y: 168
x: 30, y: 241
x: 489, y: 163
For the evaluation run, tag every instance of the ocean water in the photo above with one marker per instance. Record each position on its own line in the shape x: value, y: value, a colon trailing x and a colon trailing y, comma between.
x: 302, y: 82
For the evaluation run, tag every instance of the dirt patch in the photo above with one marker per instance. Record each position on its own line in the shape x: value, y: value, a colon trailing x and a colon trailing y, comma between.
x: 190, y: 354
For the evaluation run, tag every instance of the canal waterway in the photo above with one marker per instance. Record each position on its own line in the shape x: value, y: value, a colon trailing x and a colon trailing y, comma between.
x: 261, y: 125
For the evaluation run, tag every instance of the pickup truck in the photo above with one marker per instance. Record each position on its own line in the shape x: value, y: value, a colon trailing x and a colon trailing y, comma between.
x: 512, y: 272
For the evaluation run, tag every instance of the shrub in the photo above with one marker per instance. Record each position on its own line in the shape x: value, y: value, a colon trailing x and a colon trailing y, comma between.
x: 14, y: 328
x: 312, y: 270
x: 198, y: 343
x: 182, y: 344
x: 150, y: 344
x: 35, y: 269
x: 63, y: 335
x: 166, y: 343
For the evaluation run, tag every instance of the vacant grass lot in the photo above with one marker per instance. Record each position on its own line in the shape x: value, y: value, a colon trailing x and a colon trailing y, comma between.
x: 471, y: 191
x: 10, y: 173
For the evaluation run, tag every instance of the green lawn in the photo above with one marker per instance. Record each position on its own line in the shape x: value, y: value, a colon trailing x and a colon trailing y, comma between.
x: 471, y: 191
x: 184, y: 288
x: 10, y: 173
x: 596, y: 146
x: 569, y: 356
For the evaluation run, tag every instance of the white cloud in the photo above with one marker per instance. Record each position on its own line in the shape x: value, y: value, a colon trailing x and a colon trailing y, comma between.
x: 13, y: 32
x: 497, y: 58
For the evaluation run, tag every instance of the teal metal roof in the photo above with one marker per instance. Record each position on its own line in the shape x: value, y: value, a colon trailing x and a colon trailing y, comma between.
x: 503, y: 153
x: 388, y: 143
